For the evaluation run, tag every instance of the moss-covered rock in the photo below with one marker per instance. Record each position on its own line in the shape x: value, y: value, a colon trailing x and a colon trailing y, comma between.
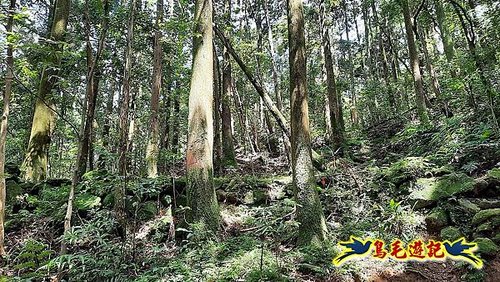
x: 486, y: 246
x: 496, y: 238
x: 437, y: 219
x: 451, y: 233
x: 13, y: 189
x: 494, y: 173
x: 429, y: 190
x: 406, y: 169
x: 468, y: 206
x: 486, y: 203
x: 484, y: 215
x: 490, y: 225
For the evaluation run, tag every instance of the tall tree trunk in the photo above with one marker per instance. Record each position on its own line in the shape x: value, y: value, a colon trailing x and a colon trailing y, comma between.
x: 91, y: 97
x: 152, y: 150
x: 9, y: 77
x: 228, y: 154
x: 336, y: 136
x: 354, y: 107
x: 312, y: 227
x: 107, y: 124
x: 436, y: 89
x: 199, y: 156
x: 217, y: 116
x: 175, y: 123
x: 36, y: 161
x: 445, y: 33
x: 414, y: 62
x: 470, y: 36
x: 124, y: 123
x: 280, y: 119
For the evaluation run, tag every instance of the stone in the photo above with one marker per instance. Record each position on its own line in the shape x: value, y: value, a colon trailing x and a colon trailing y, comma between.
x: 486, y: 246
x: 13, y: 189
x: 468, y: 206
x: 436, y: 220
x: 484, y: 215
x: 486, y: 203
x: 430, y: 190
x: 451, y: 233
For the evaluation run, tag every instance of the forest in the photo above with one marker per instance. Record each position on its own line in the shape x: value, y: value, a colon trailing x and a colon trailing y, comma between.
x: 249, y: 140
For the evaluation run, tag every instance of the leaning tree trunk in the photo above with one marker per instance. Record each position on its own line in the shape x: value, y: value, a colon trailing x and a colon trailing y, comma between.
x: 199, y: 156
x: 152, y: 150
x: 9, y: 77
x: 414, y: 62
x: 36, y: 162
x: 312, y: 227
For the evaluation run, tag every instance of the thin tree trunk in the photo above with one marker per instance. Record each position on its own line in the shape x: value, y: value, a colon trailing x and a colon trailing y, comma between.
x: 9, y: 77
x: 153, y: 150
x: 36, y: 162
x: 415, y: 65
x: 91, y: 96
x: 436, y: 89
x: 123, y: 149
x: 336, y: 136
x: 312, y: 229
x: 217, y: 116
x: 228, y: 154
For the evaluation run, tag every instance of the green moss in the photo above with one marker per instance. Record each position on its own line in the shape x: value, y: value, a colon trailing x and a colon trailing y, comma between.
x: 405, y: 169
x: 201, y: 198
x: 436, y: 220
x: 451, y: 233
x: 494, y: 173
x: 486, y: 246
x: 433, y: 189
x: 12, y: 189
x: 496, y: 239
x: 485, y: 215
x: 468, y: 206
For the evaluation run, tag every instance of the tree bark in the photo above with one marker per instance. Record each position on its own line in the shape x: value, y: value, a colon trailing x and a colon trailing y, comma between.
x: 336, y: 136
x: 312, y: 229
x: 9, y: 77
x: 153, y: 150
x: 217, y: 116
x: 199, y: 155
x: 414, y: 62
x: 123, y: 149
x: 228, y: 154
x: 91, y: 96
x: 36, y: 162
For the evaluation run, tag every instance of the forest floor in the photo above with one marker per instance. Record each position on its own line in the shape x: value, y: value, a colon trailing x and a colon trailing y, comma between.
x: 375, y: 191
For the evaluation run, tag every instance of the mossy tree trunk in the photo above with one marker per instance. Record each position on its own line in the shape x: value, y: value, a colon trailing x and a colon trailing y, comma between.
x: 199, y: 156
x: 152, y: 150
x: 309, y: 212
x: 414, y: 63
x: 9, y: 77
x: 36, y: 162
